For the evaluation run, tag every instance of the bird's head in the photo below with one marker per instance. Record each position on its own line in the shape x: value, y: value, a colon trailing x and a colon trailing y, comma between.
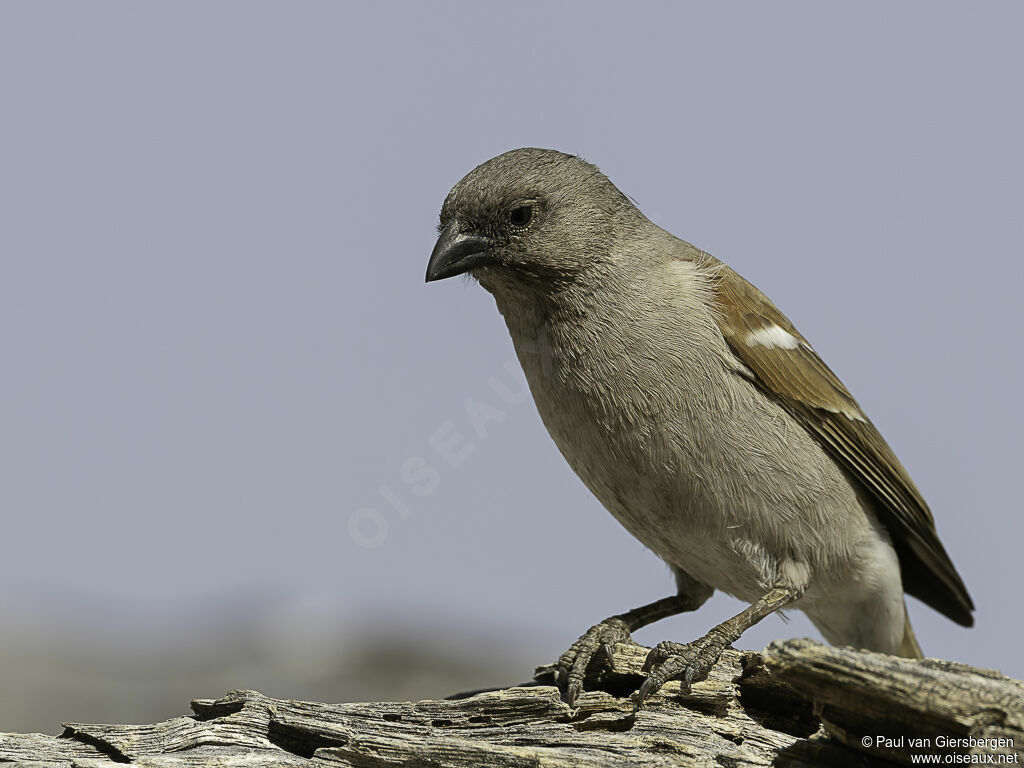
x: 527, y: 216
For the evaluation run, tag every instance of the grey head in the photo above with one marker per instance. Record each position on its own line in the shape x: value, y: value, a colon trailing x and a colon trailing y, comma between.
x: 529, y: 215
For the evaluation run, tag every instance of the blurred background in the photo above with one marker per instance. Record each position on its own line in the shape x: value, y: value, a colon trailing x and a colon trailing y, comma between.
x: 223, y: 381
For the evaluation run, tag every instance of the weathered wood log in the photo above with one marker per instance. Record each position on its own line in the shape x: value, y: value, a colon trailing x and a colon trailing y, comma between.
x: 796, y: 704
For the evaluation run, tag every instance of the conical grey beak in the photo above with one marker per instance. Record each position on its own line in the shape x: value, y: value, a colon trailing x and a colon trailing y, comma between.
x: 457, y: 252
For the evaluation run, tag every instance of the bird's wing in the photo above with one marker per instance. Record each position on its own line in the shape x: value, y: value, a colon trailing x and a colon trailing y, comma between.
x: 785, y: 366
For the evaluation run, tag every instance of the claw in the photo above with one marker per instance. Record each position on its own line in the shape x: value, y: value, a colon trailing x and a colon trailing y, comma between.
x: 609, y: 654
x: 570, y: 696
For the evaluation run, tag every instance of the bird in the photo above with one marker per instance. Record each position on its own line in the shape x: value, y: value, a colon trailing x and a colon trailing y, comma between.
x: 699, y: 417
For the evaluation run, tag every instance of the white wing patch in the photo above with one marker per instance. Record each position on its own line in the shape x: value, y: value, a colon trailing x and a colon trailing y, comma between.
x: 772, y: 337
x: 851, y: 413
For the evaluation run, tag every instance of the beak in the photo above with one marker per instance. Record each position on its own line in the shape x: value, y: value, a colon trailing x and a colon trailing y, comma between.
x: 457, y: 252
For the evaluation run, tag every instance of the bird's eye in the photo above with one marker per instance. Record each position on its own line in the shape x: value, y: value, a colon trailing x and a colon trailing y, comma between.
x: 520, y: 216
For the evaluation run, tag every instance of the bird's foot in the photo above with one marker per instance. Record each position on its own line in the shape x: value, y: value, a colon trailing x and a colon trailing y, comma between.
x: 572, y: 665
x: 687, y: 662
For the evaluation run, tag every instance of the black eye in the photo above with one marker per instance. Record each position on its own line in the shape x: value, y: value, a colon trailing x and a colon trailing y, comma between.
x: 520, y: 216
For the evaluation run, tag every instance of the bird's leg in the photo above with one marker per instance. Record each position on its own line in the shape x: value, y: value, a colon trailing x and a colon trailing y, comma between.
x: 691, y: 662
x: 572, y: 665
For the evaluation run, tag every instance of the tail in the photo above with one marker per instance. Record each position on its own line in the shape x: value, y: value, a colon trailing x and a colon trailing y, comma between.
x: 909, y: 647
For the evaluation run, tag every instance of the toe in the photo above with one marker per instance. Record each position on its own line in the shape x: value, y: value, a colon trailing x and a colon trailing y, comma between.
x: 656, y: 679
x: 659, y: 653
x: 564, y: 664
x: 574, y: 682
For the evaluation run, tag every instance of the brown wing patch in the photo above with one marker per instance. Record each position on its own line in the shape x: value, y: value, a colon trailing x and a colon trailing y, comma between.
x: 788, y: 369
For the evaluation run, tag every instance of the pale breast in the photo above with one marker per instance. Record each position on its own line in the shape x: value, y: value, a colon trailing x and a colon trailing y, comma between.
x: 651, y: 412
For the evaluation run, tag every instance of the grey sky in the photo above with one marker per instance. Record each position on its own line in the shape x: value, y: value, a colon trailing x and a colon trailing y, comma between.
x: 217, y: 344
